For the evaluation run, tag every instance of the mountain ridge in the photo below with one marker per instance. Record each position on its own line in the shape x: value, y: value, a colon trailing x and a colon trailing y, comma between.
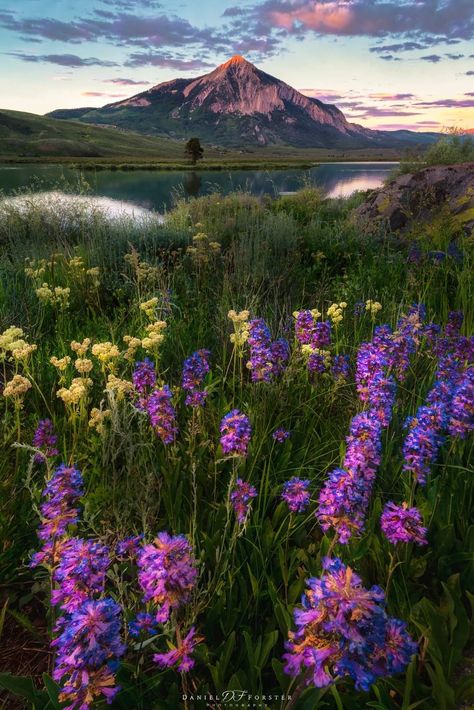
x: 237, y: 104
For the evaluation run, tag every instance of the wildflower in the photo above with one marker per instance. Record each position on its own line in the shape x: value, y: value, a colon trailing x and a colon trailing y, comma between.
x: 296, y: 494
x: 340, y: 367
x: 87, y: 646
x: 105, y: 352
x: 235, y: 431
x: 461, y: 420
x: 132, y: 346
x: 144, y: 376
x: 60, y: 363
x: 21, y: 350
x: 16, y: 388
x: 76, y: 392
x: 93, y: 273
x: 241, y: 328
x: 167, y: 573
x: 424, y: 438
x: 241, y: 498
x: 181, y: 654
x: 267, y: 358
x: 155, y: 337
x: 144, y: 623
x: 9, y: 337
x: 336, y: 312
x: 318, y: 361
x: 343, y: 630
x: 345, y: 496
x: 454, y: 324
x: 280, y: 435
x: 305, y: 325
x: 81, y: 572
x: 80, y: 348
x: 359, y: 308
x: 45, y: 438
x: 97, y: 419
x: 58, y: 511
x: 373, y: 307
x: 195, y: 369
x: 83, y: 365
x: 129, y: 546
x: 162, y: 414
x: 148, y: 307
x: 118, y: 386
x: 400, y: 523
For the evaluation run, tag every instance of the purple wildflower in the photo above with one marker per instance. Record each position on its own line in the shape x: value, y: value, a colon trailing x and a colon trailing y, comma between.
x: 129, y: 546
x: 144, y: 623
x: 181, y: 654
x: 44, y: 438
x: 267, y: 358
x: 144, y: 376
x: 167, y: 573
x: 340, y: 367
x: 305, y: 327
x: 62, y: 492
x: 423, y: 441
x: 81, y: 572
x: 316, y: 364
x: 235, y: 433
x: 195, y: 369
x: 87, y: 647
x: 345, y: 496
x: 162, y: 414
x: 280, y: 435
x: 454, y: 324
x: 296, y: 494
x: 461, y: 421
x: 342, y: 629
x: 241, y: 498
x: 359, y: 308
x: 400, y: 523
x: 322, y: 335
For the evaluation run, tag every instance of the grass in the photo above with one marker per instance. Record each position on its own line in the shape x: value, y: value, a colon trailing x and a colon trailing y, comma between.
x: 275, y: 257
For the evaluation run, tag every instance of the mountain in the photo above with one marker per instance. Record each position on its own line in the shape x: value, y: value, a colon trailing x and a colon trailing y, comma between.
x: 238, y: 105
x: 29, y: 135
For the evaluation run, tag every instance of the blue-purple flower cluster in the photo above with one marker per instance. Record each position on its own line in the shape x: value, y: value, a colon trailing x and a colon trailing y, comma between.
x: 400, y: 523
x: 45, y: 439
x: 296, y: 494
x: 167, y: 573
x: 155, y: 401
x: 195, y: 369
x: 342, y: 630
x: 241, y: 498
x: 268, y: 358
x: 235, y: 431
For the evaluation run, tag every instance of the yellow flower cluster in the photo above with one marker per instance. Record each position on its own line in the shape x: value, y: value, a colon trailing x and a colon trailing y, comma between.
x: 118, y: 386
x: 12, y: 341
x: 60, y: 363
x: 203, y: 248
x: 35, y: 269
x: 80, y: 348
x: 241, y: 328
x: 17, y: 387
x: 148, y: 307
x: 336, y: 312
x: 76, y: 392
x: 132, y: 344
x: 373, y: 307
x: 145, y: 274
x: 105, y: 352
x: 307, y: 350
x: 155, y: 337
x: 83, y: 365
x: 57, y: 296
x: 97, y: 419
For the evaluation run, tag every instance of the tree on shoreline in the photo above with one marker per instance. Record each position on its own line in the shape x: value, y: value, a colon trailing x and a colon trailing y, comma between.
x: 194, y: 150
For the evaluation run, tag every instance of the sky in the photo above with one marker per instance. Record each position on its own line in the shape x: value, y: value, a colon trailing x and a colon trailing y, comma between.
x: 386, y: 63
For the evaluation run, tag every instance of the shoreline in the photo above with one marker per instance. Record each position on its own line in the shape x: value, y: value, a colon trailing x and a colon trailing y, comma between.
x: 156, y: 165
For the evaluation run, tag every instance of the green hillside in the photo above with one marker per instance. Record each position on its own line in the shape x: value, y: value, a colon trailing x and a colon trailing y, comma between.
x: 30, y: 135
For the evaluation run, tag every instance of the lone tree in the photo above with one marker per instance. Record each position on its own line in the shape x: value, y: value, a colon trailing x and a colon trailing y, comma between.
x: 194, y: 150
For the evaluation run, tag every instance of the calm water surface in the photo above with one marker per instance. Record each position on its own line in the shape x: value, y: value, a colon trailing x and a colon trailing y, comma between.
x: 156, y: 189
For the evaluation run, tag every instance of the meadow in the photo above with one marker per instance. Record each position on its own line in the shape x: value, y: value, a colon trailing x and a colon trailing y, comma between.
x: 236, y: 459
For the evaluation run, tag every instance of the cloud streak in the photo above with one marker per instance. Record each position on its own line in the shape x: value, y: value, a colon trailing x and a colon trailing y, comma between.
x: 63, y: 60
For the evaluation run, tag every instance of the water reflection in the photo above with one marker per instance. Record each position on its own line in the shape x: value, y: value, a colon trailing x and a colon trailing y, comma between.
x: 158, y: 189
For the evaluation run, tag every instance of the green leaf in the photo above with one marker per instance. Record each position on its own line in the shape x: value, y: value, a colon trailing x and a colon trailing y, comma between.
x: 53, y: 691
x: 19, y: 685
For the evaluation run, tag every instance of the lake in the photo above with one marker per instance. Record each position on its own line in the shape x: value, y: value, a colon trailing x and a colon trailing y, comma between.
x: 156, y: 190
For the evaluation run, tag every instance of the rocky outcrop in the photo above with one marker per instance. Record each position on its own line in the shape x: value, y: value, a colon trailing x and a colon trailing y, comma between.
x: 409, y: 201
